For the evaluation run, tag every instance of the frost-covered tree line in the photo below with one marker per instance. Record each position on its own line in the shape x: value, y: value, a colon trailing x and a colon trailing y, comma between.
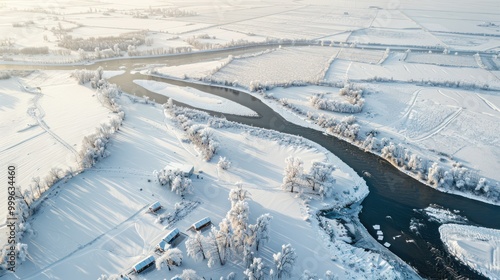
x: 352, y: 104
x: 319, y: 178
x: 175, y: 180
x: 170, y: 12
x: 457, y: 178
x: 133, y: 51
x: 345, y: 127
x: 122, y: 41
x: 197, y: 43
x: 433, y: 83
x: 25, y: 51
x: 94, y: 145
x: 92, y: 149
x: 21, y: 212
x: 200, y: 135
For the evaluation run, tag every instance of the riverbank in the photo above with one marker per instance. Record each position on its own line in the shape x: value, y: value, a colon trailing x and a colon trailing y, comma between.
x: 301, y: 119
x: 127, y: 174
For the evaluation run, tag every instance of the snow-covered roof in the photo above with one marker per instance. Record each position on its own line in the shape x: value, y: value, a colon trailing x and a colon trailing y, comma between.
x: 163, y: 245
x: 155, y: 205
x: 201, y: 223
x: 170, y: 236
x: 140, y: 265
x: 184, y: 168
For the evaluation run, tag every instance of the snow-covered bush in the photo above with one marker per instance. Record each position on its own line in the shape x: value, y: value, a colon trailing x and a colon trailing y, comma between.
x: 200, y: 135
x: 256, y: 270
x: 352, y: 104
x: 175, y: 180
x: 223, y: 163
x: 170, y: 257
x: 188, y: 274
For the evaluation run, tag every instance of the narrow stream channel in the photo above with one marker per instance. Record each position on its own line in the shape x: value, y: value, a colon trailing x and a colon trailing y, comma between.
x: 393, y: 197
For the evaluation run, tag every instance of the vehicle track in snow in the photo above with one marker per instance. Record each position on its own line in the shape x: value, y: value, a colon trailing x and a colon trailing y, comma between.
x: 42, y: 270
x: 438, y: 128
x: 37, y: 113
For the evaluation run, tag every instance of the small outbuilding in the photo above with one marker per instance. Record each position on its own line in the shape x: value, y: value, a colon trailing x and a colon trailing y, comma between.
x: 201, y: 223
x: 155, y: 207
x: 186, y: 169
x: 168, y: 239
x: 144, y: 264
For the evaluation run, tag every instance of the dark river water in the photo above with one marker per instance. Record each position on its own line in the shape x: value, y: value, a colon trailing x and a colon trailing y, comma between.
x: 394, y: 198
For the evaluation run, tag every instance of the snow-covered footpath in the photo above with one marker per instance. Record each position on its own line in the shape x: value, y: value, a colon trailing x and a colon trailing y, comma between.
x: 476, y: 247
x: 97, y: 222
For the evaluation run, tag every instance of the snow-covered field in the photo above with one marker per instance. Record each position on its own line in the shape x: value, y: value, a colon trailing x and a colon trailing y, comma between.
x: 97, y: 221
x: 44, y: 117
x: 278, y: 67
x: 476, y: 247
x: 196, y: 98
x: 417, y: 108
x: 417, y: 105
x: 394, y: 69
x: 153, y: 28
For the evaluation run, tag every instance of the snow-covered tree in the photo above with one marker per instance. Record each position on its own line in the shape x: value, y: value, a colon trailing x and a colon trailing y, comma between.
x: 238, y: 217
x: 110, y: 277
x: 169, y: 105
x: 436, y: 174
x: 261, y: 230
x: 248, y: 255
x: 238, y: 194
x: 182, y: 185
x: 320, y: 176
x: 482, y: 185
x: 195, y: 246
x: 256, y: 270
x: 170, y: 257
x: 226, y: 233
x: 285, y: 261
x: 218, y: 251
x: 293, y: 173
x: 188, y: 274
x: 307, y: 275
x: 223, y: 163
x: 330, y: 275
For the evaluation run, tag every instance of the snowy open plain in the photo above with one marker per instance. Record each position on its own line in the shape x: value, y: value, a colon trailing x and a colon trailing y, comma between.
x: 414, y: 82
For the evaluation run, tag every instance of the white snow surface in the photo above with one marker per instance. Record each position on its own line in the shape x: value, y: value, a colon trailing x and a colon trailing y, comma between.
x: 442, y: 123
x: 96, y: 222
x: 196, y: 98
x: 44, y: 127
x: 477, y: 247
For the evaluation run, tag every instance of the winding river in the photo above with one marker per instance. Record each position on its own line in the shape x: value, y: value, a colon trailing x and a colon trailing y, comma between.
x: 394, y: 200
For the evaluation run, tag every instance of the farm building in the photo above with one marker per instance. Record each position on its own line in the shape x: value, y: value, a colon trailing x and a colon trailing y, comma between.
x: 186, y: 169
x: 201, y: 223
x: 144, y: 264
x: 155, y: 207
x: 168, y: 239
